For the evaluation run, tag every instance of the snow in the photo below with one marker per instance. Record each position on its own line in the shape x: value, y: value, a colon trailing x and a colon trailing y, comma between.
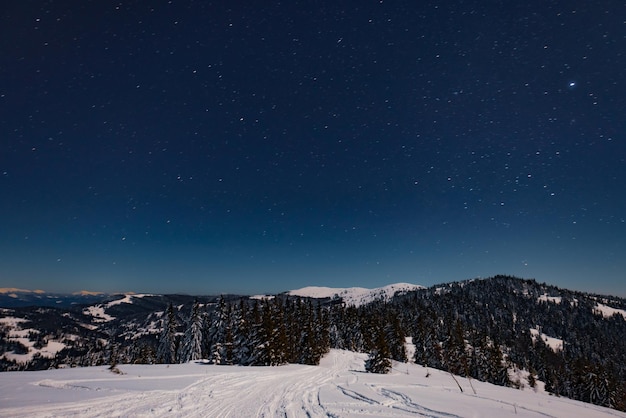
x: 409, y: 347
x: 16, y: 290
x: 128, y: 298
x: 555, y: 344
x: 87, y: 293
x: 262, y: 297
x: 355, y: 296
x: 553, y: 299
x: 339, y: 387
x: 16, y: 333
x: 97, y: 312
x: 49, y: 351
x: 608, y: 312
x: 11, y: 322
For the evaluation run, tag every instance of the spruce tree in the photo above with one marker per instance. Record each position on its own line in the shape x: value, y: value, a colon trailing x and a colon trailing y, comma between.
x: 192, y: 345
x: 321, y: 323
x: 220, y: 334
x: 378, y: 359
x: 242, y: 331
x: 256, y: 338
x: 278, y: 342
x: 166, y: 351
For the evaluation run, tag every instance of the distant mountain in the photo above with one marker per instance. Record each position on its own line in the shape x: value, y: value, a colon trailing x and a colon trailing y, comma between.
x: 13, y: 290
x: 355, y: 296
x: 13, y: 298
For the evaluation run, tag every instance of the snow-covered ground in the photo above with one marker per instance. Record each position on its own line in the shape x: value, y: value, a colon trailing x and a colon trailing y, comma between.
x: 355, y: 296
x: 556, y: 344
x: 337, y: 388
x: 128, y: 298
x: 554, y: 299
x: 608, y: 312
x: 15, y: 332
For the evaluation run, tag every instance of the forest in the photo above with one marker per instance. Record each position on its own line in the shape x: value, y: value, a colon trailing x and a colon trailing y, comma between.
x: 476, y: 329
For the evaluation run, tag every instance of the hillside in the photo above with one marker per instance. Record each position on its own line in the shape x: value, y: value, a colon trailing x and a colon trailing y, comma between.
x: 355, y: 296
x: 503, y: 330
x: 338, y: 387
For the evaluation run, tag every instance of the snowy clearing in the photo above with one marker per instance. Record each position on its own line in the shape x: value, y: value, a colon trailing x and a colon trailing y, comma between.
x: 556, y: 344
x: 98, y: 313
x: 553, y: 299
x: 337, y: 388
x: 608, y: 312
x: 128, y: 298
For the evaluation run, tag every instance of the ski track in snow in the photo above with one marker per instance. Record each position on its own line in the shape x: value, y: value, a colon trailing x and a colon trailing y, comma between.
x: 337, y: 388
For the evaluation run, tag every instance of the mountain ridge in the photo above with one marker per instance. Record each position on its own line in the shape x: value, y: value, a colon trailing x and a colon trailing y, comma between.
x: 355, y: 296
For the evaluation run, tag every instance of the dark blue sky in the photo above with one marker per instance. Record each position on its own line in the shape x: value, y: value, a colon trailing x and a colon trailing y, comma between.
x: 204, y: 147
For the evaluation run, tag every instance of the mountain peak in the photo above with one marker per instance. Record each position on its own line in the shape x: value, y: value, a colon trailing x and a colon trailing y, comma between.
x: 4, y: 290
x: 355, y: 296
x: 87, y: 293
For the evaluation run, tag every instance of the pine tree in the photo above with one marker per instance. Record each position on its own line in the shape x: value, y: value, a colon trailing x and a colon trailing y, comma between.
x: 166, y: 352
x: 321, y: 324
x: 394, y: 335
x: 145, y: 354
x: 259, y: 337
x: 192, y: 346
x: 419, y: 341
x: 378, y: 359
x: 220, y: 334
x: 278, y: 342
x: 228, y: 355
x: 113, y: 355
x: 532, y: 381
x: 501, y: 376
x: 242, y: 331
x: 455, y: 353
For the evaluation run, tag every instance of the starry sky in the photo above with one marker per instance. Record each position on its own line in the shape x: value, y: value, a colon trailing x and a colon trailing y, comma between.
x: 245, y: 147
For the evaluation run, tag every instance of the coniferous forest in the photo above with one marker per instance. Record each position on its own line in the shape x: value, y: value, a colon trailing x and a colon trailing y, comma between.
x: 496, y: 330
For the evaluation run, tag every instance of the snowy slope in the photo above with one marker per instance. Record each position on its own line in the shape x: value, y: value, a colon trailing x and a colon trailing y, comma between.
x: 337, y: 388
x: 355, y: 295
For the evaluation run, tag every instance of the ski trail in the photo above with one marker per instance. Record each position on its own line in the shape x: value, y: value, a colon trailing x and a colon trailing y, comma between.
x: 337, y: 388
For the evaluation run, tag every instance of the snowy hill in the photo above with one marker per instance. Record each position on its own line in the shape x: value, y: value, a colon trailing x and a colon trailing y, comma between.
x: 339, y: 387
x: 355, y: 296
x: 537, y: 326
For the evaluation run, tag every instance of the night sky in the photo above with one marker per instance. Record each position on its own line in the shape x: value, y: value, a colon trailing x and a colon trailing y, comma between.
x: 246, y: 147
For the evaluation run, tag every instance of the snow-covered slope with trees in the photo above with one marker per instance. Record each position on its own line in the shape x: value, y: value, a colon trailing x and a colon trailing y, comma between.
x: 355, y: 296
x: 339, y: 387
x: 503, y: 330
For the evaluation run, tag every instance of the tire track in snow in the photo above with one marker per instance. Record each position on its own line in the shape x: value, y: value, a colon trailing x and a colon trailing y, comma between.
x: 296, y: 394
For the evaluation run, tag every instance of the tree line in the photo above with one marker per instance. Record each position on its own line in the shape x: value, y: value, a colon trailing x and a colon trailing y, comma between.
x: 269, y: 332
x: 477, y: 329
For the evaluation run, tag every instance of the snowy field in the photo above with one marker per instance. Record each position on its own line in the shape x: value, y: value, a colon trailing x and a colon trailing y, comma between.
x: 337, y: 388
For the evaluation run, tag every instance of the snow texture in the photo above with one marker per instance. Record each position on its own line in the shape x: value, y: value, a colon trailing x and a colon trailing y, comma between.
x: 12, y: 290
x: 15, y: 332
x: 356, y: 296
x: 608, y: 312
x: 98, y: 313
x: 339, y: 387
x: 556, y: 344
x: 553, y: 299
x: 128, y: 298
